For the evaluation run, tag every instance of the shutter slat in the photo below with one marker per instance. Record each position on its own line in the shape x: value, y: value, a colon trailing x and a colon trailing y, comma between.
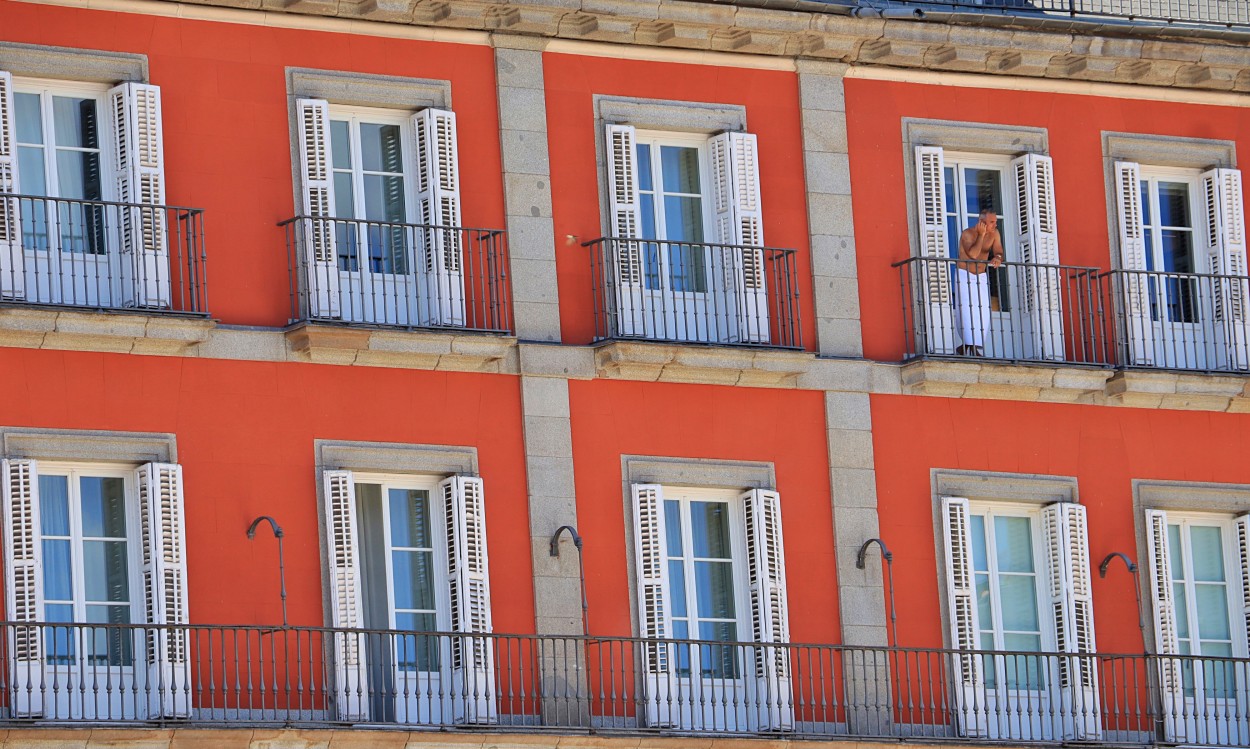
x: 438, y: 200
x: 164, y: 573
x: 23, y: 585
x: 135, y: 109
x: 650, y: 562
x: 318, y: 233
x: 934, y: 278
x: 969, y: 697
x: 1135, y: 291
x: 346, y: 600
x: 1161, y: 595
x: 472, y: 657
x: 740, y: 224
x: 625, y: 216
x: 1243, y: 560
x: 770, y: 616
x: 1064, y: 529
x: 12, y: 257
x: 1038, y: 241
x: 1226, y: 250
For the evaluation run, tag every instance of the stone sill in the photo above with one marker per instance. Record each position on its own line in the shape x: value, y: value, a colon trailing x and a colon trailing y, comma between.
x: 706, y: 365
x: 122, y: 331
x: 448, y: 351
x: 1062, y: 383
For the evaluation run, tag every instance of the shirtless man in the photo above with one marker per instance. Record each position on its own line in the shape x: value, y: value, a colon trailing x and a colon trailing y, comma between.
x: 979, y: 243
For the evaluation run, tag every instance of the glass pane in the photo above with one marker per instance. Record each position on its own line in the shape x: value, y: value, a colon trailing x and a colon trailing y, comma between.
x: 983, y: 189
x: 1019, y: 603
x: 29, y: 119
x: 54, y: 505
x: 59, y: 642
x: 380, y: 148
x: 103, y: 507
x: 78, y: 175
x: 1174, y: 204
x: 344, y: 197
x: 31, y: 166
x: 984, y: 608
x: 1180, y: 599
x: 1013, y: 544
x: 1175, y: 555
x: 1177, y: 251
x: 687, y: 267
x: 1147, y: 205
x: 980, y: 561
x: 718, y: 661
x: 948, y: 177
x: 410, y: 519
x: 104, y: 567
x: 672, y: 524
x: 714, y: 589
x: 683, y: 218
x: 644, y: 167
x: 415, y: 652
x: 58, y: 575
x: 989, y: 664
x: 1022, y: 671
x: 75, y: 122
x: 1219, y: 678
x: 109, y: 646
x: 952, y: 235
x: 681, y: 631
x: 1207, y: 547
x: 384, y: 198
x: 650, y: 252
x: 413, y: 573
x: 82, y: 226
x: 680, y: 165
x: 1212, y: 604
x: 709, y: 527
x: 340, y: 144
x: 677, y: 587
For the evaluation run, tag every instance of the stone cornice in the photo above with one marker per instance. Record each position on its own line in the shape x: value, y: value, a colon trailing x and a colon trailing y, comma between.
x: 991, y: 44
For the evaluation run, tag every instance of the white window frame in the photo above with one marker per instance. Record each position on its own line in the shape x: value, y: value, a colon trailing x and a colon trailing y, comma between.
x: 1041, y: 569
x: 1152, y: 175
x: 657, y: 139
x: 1232, y: 573
x: 959, y: 160
x: 46, y: 89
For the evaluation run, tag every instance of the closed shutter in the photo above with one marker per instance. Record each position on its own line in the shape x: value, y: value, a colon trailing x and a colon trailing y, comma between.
x: 318, y: 232
x: 12, y: 257
x: 438, y: 199
x: 1161, y: 595
x: 659, y: 685
x: 770, y: 616
x: 932, y: 283
x: 164, y: 570
x: 135, y: 109
x: 468, y: 578
x: 1038, y: 241
x: 1226, y: 248
x: 969, y: 698
x: 740, y: 223
x: 623, y: 263
x: 23, y: 586
x: 1135, y: 319
x: 346, y: 603
x: 1064, y: 527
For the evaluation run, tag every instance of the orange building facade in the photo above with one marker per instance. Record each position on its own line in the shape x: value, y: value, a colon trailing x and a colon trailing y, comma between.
x: 543, y: 373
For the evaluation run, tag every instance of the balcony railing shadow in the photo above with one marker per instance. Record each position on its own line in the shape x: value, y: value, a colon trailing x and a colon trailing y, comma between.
x: 1218, y: 13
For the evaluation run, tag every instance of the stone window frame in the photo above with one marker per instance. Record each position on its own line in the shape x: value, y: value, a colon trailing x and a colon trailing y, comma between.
x: 354, y: 89
x: 73, y: 64
x: 706, y: 118
x: 703, y: 473
x: 954, y: 135
x: 1209, y: 498
x: 1033, y: 489
x: 1155, y: 150
x: 87, y: 445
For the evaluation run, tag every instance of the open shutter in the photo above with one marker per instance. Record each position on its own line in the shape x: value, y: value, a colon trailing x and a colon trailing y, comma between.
x: 770, y: 616
x: 164, y: 570
x: 438, y: 198
x: 1171, y: 693
x: 1135, y: 321
x: 1039, y: 250
x: 135, y: 109
x: 740, y: 224
x: 1226, y: 248
x: 933, y: 281
x: 346, y: 604
x: 659, y: 684
x: 320, y: 253
x: 472, y: 655
x: 969, y: 693
x: 23, y: 586
x: 12, y: 257
x: 624, y: 261
x: 1064, y: 528
x: 1243, y: 558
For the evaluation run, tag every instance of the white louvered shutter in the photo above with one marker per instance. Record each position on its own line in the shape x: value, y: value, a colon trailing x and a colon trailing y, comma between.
x: 969, y: 697
x: 932, y: 282
x: 438, y: 199
x: 740, y: 223
x: 472, y: 655
x: 23, y: 586
x: 623, y: 263
x: 346, y: 601
x: 1138, y: 327
x: 164, y: 570
x: 1161, y: 595
x: 659, y: 685
x: 317, y: 231
x: 135, y: 110
x: 1065, y: 530
x: 770, y: 615
x: 1243, y: 559
x: 1226, y: 248
x: 12, y: 256
x: 1038, y: 241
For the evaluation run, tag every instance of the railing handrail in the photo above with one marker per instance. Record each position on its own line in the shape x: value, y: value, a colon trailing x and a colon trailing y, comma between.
x: 1004, y: 264
x: 721, y: 245
x: 85, y: 201
x: 395, y: 224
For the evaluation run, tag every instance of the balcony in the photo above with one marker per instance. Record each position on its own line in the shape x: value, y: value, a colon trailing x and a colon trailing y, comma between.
x: 310, y: 677
x: 102, y: 255
x: 1211, y: 13
x: 695, y: 293
x: 398, y: 275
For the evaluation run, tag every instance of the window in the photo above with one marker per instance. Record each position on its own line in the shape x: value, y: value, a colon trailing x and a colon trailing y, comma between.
x: 1168, y: 211
x: 1005, y: 561
x: 371, y: 169
x: 711, y: 568
x: 671, y: 179
x: 1200, y: 552
x: 974, y: 182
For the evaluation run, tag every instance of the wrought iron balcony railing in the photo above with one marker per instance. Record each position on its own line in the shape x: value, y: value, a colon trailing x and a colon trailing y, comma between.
x: 110, y: 674
x: 99, y: 254
x: 398, y: 275
x: 695, y: 292
x: 1226, y: 13
x: 1018, y: 312
x: 1186, y: 321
